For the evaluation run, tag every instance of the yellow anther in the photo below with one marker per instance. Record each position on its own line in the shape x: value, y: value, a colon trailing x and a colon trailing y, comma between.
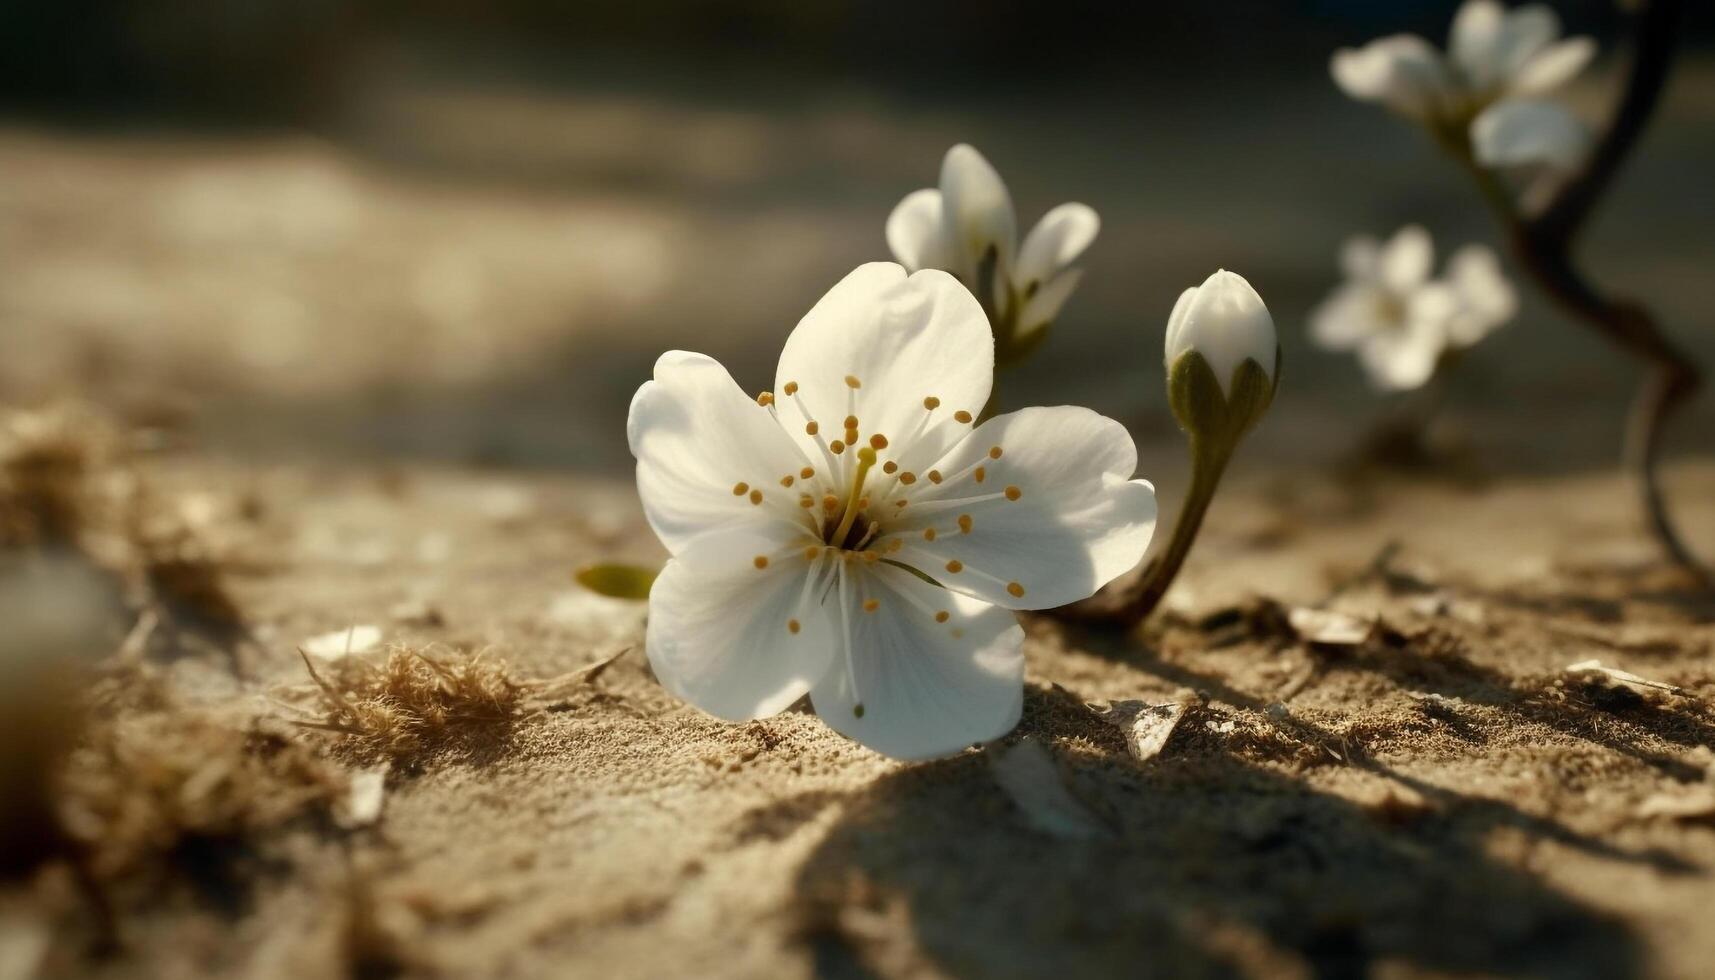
x: 964, y: 523
x: 851, y: 437
x: 806, y: 473
x: 928, y: 534
x: 934, y: 476
x: 878, y: 440
x: 943, y: 616
x: 981, y: 474
x: 837, y: 447
x: 1013, y: 493
x: 812, y: 552
x: 955, y: 566
x: 853, y: 382
x: 756, y: 497
x: 792, y: 626
x: 1016, y: 590
x: 740, y: 489
x: 931, y: 403
x: 895, y: 545
x: 791, y: 388
x: 787, y: 480
x: 863, y: 502
x: 830, y: 503
x: 962, y: 416
x: 811, y: 428
x: 765, y: 399
x: 805, y: 500
x: 907, y: 478
x: 866, y: 456
x: 901, y: 503
x: 851, y: 421
x: 890, y: 467
x: 994, y: 452
x: 871, y: 556
x: 760, y: 561
x: 871, y: 605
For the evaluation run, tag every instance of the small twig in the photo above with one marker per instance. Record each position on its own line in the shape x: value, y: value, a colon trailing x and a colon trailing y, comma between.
x: 1543, y: 243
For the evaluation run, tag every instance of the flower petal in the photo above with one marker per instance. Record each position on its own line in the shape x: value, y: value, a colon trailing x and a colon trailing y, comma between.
x: 976, y: 214
x: 1485, y: 298
x: 917, y: 688
x: 1052, y: 518
x: 914, y: 231
x: 1525, y: 33
x: 1553, y: 66
x: 1055, y: 243
x: 1407, y: 259
x: 1400, y: 360
x: 1519, y: 133
x: 1175, y: 325
x: 719, y: 631
x: 1349, y: 316
x: 1044, y: 306
x: 903, y: 340
x: 1474, y: 42
x: 696, y: 437
x: 1403, y: 72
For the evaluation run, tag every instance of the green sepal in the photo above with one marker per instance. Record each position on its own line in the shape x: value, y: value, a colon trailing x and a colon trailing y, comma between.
x: 1214, y: 416
x: 617, y: 581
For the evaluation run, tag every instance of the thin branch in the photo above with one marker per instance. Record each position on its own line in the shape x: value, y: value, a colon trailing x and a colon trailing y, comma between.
x: 1543, y: 245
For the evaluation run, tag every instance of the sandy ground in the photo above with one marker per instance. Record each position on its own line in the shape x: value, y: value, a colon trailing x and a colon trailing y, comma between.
x: 391, y: 364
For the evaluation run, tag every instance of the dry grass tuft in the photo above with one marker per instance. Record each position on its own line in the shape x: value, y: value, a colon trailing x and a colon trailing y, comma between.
x: 46, y: 458
x: 146, y: 791
x: 416, y: 703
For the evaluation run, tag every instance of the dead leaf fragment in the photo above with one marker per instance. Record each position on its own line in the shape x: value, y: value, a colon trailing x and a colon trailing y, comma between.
x: 342, y: 643
x: 1696, y: 805
x: 1586, y: 667
x: 1036, y: 784
x: 1147, y: 727
x: 1330, y: 628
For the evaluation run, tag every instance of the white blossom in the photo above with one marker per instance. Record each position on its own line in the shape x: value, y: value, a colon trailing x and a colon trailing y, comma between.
x: 1495, y: 58
x: 968, y: 223
x: 857, y: 536
x: 1398, y: 319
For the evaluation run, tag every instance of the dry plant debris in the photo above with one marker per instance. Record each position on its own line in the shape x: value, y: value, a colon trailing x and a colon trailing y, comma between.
x: 140, y: 790
x: 1146, y: 727
x: 417, y: 702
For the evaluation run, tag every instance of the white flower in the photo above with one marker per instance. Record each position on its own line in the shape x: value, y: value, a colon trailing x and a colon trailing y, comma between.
x: 1398, y: 319
x: 1494, y: 56
x: 1224, y: 320
x: 969, y: 223
x: 856, y: 536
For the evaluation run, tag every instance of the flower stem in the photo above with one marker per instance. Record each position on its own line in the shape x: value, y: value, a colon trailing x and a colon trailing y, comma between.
x: 1208, y: 462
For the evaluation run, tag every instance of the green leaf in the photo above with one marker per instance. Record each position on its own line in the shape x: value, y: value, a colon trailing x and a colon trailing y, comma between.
x: 617, y: 581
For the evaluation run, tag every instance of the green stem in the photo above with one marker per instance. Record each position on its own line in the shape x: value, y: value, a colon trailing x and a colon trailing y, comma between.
x: 1208, y: 462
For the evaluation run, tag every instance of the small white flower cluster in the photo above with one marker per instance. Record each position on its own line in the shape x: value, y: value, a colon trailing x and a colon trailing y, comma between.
x: 1399, y: 320
x: 1487, y: 90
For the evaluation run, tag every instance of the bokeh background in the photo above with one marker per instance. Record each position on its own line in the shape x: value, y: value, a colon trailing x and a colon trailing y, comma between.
x: 461, y: 231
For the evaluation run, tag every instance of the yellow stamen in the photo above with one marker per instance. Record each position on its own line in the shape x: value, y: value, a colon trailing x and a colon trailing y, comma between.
x: 805, y: 500
x: 811, y: 428
x: 851, y: 421
x: 1013, y: 493
x: 981, y: 474
x: 1016, y: 590
x: 786, y: 480
x: 994, y: 453
x: 837, y: 446
x: 756, y: 497
x: 760, y: 561
x: 962, y: 416
x: 943, y: 616
x: 955, y: 566
x: 934, y: 476
x: 931, y: 403
x: 878, y: 441
x: 765, y: 399
x: 964, y: 523
x: 871, y: 605
x: 853, y: 382
x: 928, y: 534
x: 890, y: 467
x: 907, y: 478
x: 791, y: 388
x: 792, y: 626
x: 740, y: 489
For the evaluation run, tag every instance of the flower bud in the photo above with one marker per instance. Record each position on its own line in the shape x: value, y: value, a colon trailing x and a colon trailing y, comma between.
x: 1222, y: 357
